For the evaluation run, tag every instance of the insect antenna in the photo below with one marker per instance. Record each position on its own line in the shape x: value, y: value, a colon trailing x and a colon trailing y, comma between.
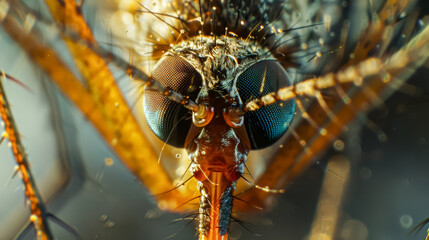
x: 187, y: 217
x: 316, y: 55
x: 109, y: 56
x: 187, y: 224
x: 292, y: 49
x: 168, y: 138
x: 245, y: 225
x: 250, y: 33
x: 252, y: 183
x: 126, y: 44
x: 277, y: 44
x: 190, y: 200
x: 291, y: 29
x: 248, y: 203
x: 182, y: 21
x: 175, y: 188
x: 265, y: 189
x: 157, y: 16
x: 262, y: 40
x: 367, y: 68
x: 270, y: 22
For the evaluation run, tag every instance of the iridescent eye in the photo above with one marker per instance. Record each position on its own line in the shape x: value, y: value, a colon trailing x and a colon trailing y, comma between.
x: 167, y: 119
x: 266, y: 125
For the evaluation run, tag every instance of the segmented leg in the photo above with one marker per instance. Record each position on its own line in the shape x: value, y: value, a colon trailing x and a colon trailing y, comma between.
x: 38, y: 210
x: 293, y: 158
x: 102, y: 103
x: 303, y: 145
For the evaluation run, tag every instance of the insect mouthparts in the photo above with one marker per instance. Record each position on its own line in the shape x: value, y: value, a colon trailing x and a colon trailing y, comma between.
x: 217, y: 152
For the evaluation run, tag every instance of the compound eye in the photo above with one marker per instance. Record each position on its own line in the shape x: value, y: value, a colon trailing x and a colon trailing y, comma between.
x: 266, y: 125
x: 169, y: 120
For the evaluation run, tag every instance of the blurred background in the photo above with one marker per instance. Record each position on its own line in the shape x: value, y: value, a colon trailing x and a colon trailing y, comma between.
x: 385, y: 197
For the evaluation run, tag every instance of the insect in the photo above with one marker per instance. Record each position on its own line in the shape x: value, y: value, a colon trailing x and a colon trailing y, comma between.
x: 202, y: 19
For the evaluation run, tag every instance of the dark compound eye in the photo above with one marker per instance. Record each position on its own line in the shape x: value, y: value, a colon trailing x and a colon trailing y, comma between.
x: 266, y: 125
x: 168, y: 120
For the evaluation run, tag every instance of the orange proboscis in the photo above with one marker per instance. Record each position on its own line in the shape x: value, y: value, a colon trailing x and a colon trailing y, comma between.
x: 218, y: 153
x: 215, y: 184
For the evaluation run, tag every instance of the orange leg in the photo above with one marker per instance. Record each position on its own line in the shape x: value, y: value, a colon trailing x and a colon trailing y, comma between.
x: 102, y: 103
